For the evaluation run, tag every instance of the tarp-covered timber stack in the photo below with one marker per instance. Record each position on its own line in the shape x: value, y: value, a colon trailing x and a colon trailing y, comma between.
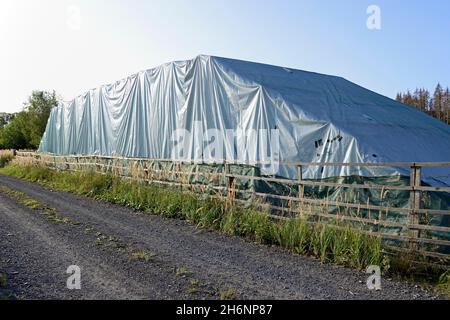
x: 317, y: 119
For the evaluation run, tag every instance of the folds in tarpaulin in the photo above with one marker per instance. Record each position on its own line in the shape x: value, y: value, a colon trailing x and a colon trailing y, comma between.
x: 317, y: 118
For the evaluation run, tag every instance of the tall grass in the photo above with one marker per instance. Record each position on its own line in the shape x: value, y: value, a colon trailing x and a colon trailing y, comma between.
x: 5, y: 157
x: 444, y: 282
x: 329, y: 243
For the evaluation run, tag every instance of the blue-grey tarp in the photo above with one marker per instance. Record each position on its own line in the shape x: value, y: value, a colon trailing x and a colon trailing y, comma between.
x: 308, y: 117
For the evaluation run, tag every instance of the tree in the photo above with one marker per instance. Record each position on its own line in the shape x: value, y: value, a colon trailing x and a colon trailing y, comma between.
x: 408, y: 99
x: 39, y: 106
x: 436, y: 105
x: 422, y: 97
x: 26, y: 129
x: 437, y: 101
x: 13, y: 136
x: 5, y: 118
x: 446, y: 105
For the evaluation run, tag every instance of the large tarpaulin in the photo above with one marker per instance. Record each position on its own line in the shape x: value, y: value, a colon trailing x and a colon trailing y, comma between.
x: 308, y: 117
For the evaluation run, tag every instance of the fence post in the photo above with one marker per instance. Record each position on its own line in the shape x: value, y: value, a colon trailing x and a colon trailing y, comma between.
x: 301, y: 189
x: 229, y: 183
x: 225, y: 172
x: 414, y: 202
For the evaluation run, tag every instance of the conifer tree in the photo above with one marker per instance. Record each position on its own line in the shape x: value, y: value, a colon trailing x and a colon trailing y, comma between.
x: 437, y: 101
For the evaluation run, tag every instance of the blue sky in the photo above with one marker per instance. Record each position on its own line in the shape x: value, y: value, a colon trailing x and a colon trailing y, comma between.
x: 43, y: 48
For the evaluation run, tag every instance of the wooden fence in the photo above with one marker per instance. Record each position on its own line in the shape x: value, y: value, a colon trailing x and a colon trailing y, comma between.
x: 412, y: 234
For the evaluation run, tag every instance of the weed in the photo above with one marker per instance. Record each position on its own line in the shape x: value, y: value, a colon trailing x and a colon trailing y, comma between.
x: 228, y: 294
x: 444, y: 283
x: 181, y: 271
x: 192, y: 290
x: 3, y: 280
x: 143, y: 255
x: 25, y: 200
x: 7, y: 297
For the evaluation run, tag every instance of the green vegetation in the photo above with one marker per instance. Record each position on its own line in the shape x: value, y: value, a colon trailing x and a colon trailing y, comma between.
x: 344, y: 246
x: 228, y: 294
x: 25, y: 129
x: 5, y: 157
x: 444, y: 283
x: 181, y: 271
x: 7, y: 297
x: 330, y: 243
x: 143, y: 255
x: 192, y: 290
x: 5, y: 118
x: 5, y: 294
x: 22, y: 198
x: 27, y: 201
x: 3, y: 280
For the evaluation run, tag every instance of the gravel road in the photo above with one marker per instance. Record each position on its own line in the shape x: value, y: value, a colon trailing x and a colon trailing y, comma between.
x: 125, y: 254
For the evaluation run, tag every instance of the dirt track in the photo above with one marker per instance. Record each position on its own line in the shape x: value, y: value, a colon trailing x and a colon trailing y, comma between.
x: 179, y: 262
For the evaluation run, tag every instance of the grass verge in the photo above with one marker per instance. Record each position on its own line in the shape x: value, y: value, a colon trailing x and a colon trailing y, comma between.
x: 344, y: 246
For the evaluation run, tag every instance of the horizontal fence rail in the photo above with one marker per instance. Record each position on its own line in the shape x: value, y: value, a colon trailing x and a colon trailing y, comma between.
x: 413, y: 233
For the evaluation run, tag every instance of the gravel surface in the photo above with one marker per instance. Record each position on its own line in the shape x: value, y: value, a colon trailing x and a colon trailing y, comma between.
x: 125, y: 254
